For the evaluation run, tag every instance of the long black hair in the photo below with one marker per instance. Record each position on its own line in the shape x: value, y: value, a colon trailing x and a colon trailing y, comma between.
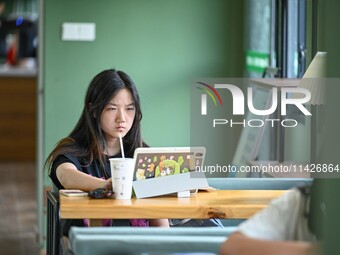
x: 87, y: 140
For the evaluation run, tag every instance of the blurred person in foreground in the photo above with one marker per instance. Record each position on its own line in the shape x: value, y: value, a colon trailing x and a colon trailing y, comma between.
x: 290, y: 225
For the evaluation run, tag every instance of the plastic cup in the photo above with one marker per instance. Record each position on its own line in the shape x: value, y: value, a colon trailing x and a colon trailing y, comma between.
x: 122, y: 176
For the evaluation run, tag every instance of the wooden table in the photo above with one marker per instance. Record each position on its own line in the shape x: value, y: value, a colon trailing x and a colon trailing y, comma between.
x: 226, y: 204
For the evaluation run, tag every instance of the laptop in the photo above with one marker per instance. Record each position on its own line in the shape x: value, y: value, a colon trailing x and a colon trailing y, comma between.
x: 165, y: 170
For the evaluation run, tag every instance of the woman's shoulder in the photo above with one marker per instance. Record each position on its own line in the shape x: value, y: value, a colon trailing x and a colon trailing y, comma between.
x: 70, y: 150
x: 67, y: 158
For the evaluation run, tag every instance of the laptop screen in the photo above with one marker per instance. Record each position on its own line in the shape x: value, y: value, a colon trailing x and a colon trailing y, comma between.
x: 167, y: 161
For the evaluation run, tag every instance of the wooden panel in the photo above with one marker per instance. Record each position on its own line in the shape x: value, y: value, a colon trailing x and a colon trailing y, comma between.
x: 18, y: 119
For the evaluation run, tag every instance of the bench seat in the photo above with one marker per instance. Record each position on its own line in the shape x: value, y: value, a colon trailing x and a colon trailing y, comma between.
x: 127, y: 240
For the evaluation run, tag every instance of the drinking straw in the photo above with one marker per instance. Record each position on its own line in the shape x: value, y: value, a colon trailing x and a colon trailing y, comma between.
x: 121, y: 145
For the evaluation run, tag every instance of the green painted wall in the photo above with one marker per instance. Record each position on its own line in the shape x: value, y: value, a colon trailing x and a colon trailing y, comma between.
x: 163, y: 45
x: 329, y: 40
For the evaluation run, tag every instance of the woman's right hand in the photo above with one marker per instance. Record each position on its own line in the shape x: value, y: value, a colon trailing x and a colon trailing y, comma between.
x: 71, y: 178
x: 107, y: 184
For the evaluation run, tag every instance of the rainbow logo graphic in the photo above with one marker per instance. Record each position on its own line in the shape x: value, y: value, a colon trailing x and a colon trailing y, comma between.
x: 211, y: 91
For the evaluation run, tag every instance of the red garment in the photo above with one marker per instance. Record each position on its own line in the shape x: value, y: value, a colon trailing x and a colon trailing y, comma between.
x: 11, y: 55
x: 133, y: 223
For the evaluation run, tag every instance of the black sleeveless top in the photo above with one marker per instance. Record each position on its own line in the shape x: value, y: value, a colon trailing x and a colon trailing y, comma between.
x: 93, y: 169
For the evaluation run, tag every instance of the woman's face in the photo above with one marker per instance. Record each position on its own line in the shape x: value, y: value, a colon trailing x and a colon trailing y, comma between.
x: 117, y: 117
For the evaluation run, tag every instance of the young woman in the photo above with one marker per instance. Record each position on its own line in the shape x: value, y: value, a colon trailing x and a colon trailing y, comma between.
x: 81, y: 160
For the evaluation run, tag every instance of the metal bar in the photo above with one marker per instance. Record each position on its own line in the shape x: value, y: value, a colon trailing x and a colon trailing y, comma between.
x: 315, y: 4
x: 284, y: 36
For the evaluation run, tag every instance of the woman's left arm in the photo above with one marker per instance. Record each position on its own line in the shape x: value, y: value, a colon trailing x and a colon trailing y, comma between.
x: 159, y: 223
